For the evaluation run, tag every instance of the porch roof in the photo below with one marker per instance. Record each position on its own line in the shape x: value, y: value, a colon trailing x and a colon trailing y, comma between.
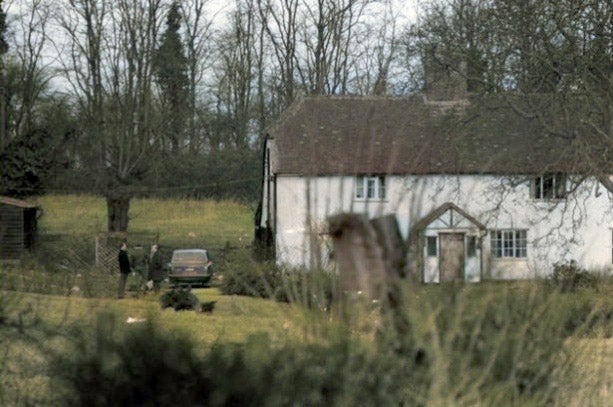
x: 436, y: 213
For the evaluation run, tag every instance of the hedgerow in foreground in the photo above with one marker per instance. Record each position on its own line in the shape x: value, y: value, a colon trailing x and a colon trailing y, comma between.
x: 448, y: 346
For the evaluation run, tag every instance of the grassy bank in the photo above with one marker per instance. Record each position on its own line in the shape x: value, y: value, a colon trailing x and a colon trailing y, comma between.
x: 35, y: 327
x: 475, y: 345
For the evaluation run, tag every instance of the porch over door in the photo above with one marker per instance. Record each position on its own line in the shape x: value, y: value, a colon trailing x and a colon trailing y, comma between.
x: 451, y: 260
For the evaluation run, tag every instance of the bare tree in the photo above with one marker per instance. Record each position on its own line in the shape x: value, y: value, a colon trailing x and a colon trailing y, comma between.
x: 108, y: 63
x: 3, y: 91
x: 549, y: 61
x: 198, y: 33
x: 280, y: 22
x: 377, y: 51
x: 328, y: 32
x: 235, y: 73
x: 26, y: 69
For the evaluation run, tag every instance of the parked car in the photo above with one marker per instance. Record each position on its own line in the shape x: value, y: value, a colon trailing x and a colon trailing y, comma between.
x: 190, y: 267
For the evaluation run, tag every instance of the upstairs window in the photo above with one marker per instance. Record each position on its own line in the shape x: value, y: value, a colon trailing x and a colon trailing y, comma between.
x: 370, y: 187
x: 509, y: 243
x: 549, y: 186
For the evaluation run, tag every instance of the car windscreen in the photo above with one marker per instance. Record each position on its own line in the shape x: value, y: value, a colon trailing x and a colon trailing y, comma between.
x: 189, y: 258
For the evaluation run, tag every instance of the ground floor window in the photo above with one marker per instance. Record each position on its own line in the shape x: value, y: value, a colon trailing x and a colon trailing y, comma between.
x: 431, y: 246
x: 471, y: 246
x: 509, y: 243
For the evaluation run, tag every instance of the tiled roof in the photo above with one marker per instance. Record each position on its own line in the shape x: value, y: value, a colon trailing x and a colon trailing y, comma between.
x: 381, y: 135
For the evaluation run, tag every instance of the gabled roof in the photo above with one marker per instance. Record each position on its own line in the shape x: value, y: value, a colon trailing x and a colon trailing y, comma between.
x: 436, y: 213
x: 333, y: 135
x: 16, y: 202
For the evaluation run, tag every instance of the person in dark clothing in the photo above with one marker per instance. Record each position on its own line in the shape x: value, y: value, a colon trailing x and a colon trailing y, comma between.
x: 124, y: 269
x: 156, y: 268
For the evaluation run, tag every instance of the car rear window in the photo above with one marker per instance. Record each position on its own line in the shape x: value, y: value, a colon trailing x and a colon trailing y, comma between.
x: 189, y: 257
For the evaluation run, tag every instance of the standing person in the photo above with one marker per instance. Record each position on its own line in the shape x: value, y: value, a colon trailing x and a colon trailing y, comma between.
x: 156, y: 269
x: 124, y: 269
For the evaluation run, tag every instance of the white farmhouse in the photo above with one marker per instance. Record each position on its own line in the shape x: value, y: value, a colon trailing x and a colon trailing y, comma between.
x: 478, y: 196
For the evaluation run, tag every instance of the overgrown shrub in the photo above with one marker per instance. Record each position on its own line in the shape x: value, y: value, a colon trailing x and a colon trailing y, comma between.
x: 180, y: 298
x: 242, y: 275
x: 145, y: 366
x: 258, y: 282
x: 586, y: 314
x: 569, y: 277
x: 135, y: 366
x: 441, y: 346
x: 313, y: 289
x: 472, y: 343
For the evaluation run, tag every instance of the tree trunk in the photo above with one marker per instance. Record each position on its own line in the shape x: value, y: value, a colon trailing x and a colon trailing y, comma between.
x: 117, y: 212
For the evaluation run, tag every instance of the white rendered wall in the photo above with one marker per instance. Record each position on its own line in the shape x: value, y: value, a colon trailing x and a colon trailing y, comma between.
x: 577, y: 228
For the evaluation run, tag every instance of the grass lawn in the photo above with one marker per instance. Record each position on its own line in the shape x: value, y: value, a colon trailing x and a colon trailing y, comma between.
x: 179, y: 222
x: 24, y: 361
x: 36, y: 319
x: 233, y: 320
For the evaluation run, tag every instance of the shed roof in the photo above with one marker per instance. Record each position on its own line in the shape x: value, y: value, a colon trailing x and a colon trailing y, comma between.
x: 327, y: 135
x: 16, y: 202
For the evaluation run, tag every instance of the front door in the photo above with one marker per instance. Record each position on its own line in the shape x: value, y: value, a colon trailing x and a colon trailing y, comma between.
x: 451, y: 260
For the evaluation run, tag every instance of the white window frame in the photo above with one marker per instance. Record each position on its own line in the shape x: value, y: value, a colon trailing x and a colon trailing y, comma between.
x: 370, y: 188
x: 434, y: 241
x: 471, y: 243
x: 509, y: 243
x: 557, y: 189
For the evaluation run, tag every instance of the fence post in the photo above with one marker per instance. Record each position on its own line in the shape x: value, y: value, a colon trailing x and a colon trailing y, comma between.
x: 97, y: 252
x: 358, y: 255
x: 371, y: 258
x: 394, y: 248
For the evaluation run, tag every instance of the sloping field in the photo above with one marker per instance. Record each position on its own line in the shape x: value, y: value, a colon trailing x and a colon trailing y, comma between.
x: 178, y: 222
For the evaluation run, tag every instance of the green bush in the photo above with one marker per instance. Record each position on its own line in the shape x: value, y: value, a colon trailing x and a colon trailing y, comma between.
x: 481, y: 345
x: 587, y: 314
x: 179, y: 299
x: 479, y: 341
x: 145, y: 366
x: 242, y: 275
x: 313, y: 289
x: 138, y: 366
x: 569, y: 277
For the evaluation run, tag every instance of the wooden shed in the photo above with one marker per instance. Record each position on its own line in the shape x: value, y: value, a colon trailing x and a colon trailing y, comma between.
x: 18, y: 224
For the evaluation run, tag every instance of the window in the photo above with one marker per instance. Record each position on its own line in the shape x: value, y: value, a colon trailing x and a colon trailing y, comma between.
x: 509, y: 243
x: 431, y: 246
x: 370, y: 188
x: 549, y: 186
x: 471, y: 246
